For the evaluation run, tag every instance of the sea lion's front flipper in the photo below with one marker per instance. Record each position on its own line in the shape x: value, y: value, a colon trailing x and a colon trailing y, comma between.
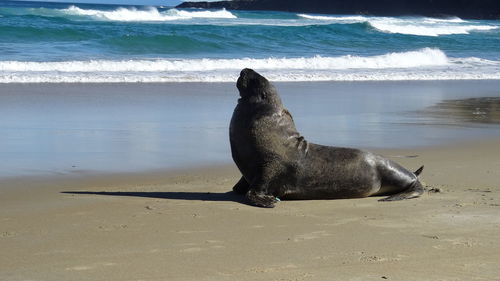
x: 242, y: 186
x: 258, y: 193
x: 261, y: 199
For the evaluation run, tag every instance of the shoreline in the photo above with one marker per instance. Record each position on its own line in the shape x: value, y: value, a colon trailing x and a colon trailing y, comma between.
x: 233, y: 83
x: 187, y: 225
x: 156, y: 176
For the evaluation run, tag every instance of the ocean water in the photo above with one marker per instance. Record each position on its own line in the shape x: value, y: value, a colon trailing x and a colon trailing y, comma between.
x: 52, y: 42
x: 57, y: 128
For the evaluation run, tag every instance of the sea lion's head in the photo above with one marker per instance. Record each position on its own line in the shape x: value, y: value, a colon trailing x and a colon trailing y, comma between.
x: 255, y: 88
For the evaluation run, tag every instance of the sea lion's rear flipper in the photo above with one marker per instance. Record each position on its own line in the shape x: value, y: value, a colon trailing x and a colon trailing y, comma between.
x: 414, y: 191
x: 419, y: 171
x: 402, y: 183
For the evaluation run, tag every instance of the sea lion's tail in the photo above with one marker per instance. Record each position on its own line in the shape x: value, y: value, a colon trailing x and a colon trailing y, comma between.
x: 419, y: 171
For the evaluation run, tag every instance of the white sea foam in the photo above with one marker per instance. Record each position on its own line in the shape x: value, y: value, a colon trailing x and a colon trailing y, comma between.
x: 412, y: 25
x: 233, y: 76
x: 424, y: 64
x: 423, y: 57
x: 426, y: 27
x: 348, y: 19
x: 150, y: 14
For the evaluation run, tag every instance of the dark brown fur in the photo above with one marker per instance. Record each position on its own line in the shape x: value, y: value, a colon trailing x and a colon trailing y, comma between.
x: 277, y: 162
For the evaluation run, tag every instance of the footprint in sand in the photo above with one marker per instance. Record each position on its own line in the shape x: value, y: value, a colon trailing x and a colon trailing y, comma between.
x: 193, y: 231
x: 462, y: 242
x: 257, y: 226
x: 89, y: 267
x: 339, y: 222
x: 311, y: 236
x: 192, y: 250
x: 8, y: 234
x: 209, y: 244
x: 375, y: 258
x: 79, y: 268
x: 272, y: 268
x: 215, y: 244
x: 112, y: 227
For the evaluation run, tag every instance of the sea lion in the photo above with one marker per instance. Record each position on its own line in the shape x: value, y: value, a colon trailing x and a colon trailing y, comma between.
x: 277, y: 162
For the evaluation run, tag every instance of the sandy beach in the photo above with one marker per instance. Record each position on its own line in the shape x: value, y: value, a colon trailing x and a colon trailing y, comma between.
x: 130, y: 209
x: 186, y: 225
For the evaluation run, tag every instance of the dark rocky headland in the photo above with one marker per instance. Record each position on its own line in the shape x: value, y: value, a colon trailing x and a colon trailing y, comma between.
x: 467, y: 9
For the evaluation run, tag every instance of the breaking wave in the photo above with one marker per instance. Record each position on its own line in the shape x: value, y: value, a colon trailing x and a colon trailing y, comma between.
x: 424, y: 64
x: 126, y: 14
x: 149, y: 14
x: 421, y: 26
x: 424, y: 57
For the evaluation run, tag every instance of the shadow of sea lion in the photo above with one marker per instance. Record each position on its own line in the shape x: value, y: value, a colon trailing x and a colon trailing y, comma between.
x: 190, y: 196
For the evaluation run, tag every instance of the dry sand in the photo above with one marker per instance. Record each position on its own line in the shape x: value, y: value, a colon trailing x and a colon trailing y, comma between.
x: 185, y: 225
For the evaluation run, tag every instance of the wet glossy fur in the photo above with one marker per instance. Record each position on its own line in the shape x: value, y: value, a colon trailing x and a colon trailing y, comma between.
x: 276, y: 161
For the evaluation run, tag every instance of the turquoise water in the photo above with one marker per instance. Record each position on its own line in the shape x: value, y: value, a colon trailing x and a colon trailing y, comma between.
x: 51, y: 42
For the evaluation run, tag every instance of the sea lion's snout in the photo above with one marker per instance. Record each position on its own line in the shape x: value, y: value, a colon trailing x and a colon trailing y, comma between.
x: 246, y: 71
x: 255, y: 88
x: 250, y: 82
x: 245, y: 75
x: 241, y: 84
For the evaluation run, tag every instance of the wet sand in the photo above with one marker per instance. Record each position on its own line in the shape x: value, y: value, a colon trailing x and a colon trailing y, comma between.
x: 60, y: 129
x: 186, y: 225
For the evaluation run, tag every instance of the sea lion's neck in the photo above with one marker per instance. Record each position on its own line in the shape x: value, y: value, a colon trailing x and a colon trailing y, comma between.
x: 294, y: 139
x: 298, y: 142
